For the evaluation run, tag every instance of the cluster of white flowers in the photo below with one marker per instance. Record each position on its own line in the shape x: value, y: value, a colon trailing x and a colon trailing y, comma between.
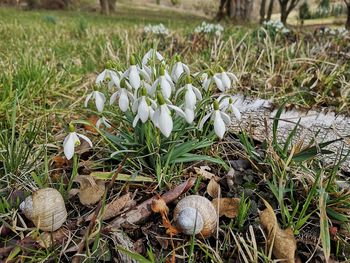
x: 341, y: 32
x: 156, y: 29
x: 276, y: 25
x: 152, y: 91
x: 207, y: 28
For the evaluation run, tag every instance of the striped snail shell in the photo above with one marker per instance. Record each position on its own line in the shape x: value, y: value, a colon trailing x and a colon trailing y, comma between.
x: 195, y: 214
x: 45, y: 208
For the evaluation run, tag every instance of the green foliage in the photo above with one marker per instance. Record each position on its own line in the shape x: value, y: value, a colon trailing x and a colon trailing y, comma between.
x: 304, y: 11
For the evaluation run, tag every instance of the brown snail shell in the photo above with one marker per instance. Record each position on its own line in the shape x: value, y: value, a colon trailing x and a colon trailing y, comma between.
x: 195, y: 214
x: 45, y: 208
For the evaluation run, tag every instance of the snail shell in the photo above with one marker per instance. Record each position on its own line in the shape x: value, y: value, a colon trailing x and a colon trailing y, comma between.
x: 45, y: 208
x: 195, y: 214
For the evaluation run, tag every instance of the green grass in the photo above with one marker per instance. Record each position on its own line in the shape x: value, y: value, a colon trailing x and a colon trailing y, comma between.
x: 49, y: 60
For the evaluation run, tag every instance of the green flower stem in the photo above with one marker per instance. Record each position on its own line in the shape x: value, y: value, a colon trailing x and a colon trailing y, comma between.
x: 74, y: 171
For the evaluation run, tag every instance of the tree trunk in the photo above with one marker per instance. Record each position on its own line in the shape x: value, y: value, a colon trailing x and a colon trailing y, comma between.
x: 269, y: 11
x: 104, y: 7
x: 237, y: 10
x: 284, y: 13
x: 262, y: 11
x: 347, y: 25
x: 221, y: 11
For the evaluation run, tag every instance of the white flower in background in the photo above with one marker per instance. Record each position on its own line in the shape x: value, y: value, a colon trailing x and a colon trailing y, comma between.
x: 162, y: 116
x: 208, y: 28
x: 227, y: 104
x: 150, y: 54
x: 276, y: 25
x: 223, y: 80
x: 143, y: 107
x: 73, y: 140
x: 206, y: 79
x: 165, y: 83
x: 99, y: 98
x: 221, y: 120
x: 103, y: 121
x: 178, y: 69
x: 111, y: 75
x: 159, y: 29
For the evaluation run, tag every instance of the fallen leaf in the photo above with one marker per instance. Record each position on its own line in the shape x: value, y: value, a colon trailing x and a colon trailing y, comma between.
x: 213, y: 188
x: 59, y: 162
x: 92, y: 120
x: 113, y: 208
x: 91, y: 189
x: 226, y: 206
x: 49, y: 239
x: 121, y: 177
x: 159, y: 206
x: 204, y: 171
x: 283, y: 241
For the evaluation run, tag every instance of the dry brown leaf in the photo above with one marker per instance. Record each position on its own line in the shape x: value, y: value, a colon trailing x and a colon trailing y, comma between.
x: 91, y: 189
x: 93, y: 120
x: 204, y: 171
x: 213, y: 188
x: 113, y: 208
x: 227, y: 206
x: 159, y: 206
x: 283, y: 241
x: 48, y: 239
x: 59, y: 162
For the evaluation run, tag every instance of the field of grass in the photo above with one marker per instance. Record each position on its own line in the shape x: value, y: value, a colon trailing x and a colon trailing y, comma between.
x: 49, y: 62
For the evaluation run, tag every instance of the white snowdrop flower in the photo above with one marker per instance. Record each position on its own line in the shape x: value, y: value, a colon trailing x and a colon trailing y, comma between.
x: 208, y: 28
x: 221, y: 120
x: 114, y: 77
x: 133, y: 74
x: 124, y: 96
x: 224, y: 80
x: 72, y: 140
x: 156, y: 29
x: 143, y: 107
x: 150, y: 54
x: 191, y: 94
x: 178, y: 69
x: 162, y: 116
x: 99, y: 98
x: 166, y: 85
x: 103, y: 121
x: 227, y: 104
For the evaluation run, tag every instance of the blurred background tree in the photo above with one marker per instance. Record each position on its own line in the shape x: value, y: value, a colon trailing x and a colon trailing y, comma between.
x: 236, y: 10
x: 347, y: 24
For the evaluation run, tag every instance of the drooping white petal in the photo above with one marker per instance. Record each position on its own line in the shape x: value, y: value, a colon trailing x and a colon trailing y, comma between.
x: 154, y: 86
x: 205, y: 118
x: 177, y: 110
x: 225, y: 118
x: 155, y: 118
x: 165, y: 121
x: 136, y: 119
x: 218, y: 83
x: 114, y: 78
x: 224, y: 103
x: 219, y: 125
x: 189, y: 115
x: 206, y: 83
x: 143, y: 110
x: 103, y: 121
x: 85, y: 138
x: 145, y: 74
x: 134, y: 77
x: 236, y: 112
x: 69, y: 144
x: 113, y: 97
x: 165, y: 87
x: 179, y: 91
x: 197, y: 92
x: 100, y: 100
x: 101, y: 77
x: 187, y: 70
x: 135, y: 105
x: 225, y: 80
x: 147, y: 56
x: 190, y: 97
x: 87, y: 99
x: 177, y: 71
x: 123, y: 100
x: 232, y: 76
